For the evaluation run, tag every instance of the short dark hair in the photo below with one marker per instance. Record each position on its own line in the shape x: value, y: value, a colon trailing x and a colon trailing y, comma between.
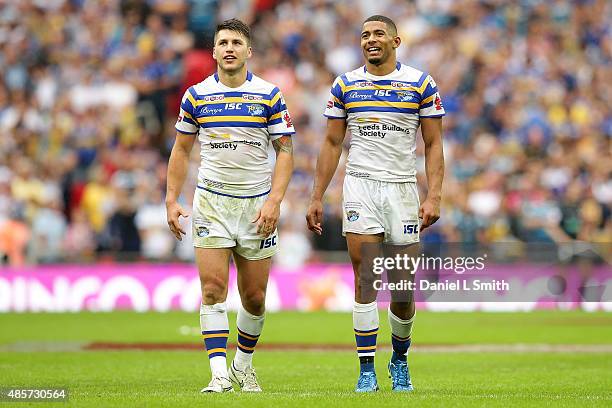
x: 383, y: 19
x: 234, y: 25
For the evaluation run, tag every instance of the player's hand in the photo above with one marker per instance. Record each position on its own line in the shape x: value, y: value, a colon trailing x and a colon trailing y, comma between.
x: 173, y: 212
x: 429, y: 212
x: 314, y: 216
x: 267, y: 218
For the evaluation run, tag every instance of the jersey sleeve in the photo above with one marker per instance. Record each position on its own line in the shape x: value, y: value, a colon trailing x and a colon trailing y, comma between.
x: 279, y: 119
x: 335, y: 103
x: 186, y: 122
x: 431, y: 103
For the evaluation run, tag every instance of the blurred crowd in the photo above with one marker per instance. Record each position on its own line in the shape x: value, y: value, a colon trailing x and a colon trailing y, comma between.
x: 89, y: 94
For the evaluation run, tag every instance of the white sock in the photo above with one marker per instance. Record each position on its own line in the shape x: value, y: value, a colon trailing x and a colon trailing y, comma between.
x: 215, y: 330
x: 249, y: 330
x: 365, y: 323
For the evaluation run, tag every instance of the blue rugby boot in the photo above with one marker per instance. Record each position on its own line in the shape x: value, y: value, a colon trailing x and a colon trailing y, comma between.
x: 367, y: 382
x: 399, y: 374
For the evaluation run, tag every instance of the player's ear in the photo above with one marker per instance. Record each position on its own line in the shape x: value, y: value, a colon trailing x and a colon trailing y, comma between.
x: 249, y: 52
x: 397, y: 41
x: 214, y: 53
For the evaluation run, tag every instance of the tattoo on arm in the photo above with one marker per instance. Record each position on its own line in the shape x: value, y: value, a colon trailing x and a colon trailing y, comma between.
x: 283, y: 144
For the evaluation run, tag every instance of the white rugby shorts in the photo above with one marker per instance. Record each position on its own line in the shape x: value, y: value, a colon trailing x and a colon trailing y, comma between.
x: 374, y: 207
x: 221, y: 221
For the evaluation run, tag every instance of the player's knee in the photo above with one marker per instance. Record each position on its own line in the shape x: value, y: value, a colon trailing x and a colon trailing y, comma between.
x: 213, y: 290
x: 254, y: 301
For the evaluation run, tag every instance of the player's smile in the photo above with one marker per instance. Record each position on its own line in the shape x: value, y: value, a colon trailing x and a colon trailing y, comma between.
x: 376, y: 42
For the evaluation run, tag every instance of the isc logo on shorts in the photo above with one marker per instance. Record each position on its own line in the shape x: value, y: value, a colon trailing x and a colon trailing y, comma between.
x: 268, y: 242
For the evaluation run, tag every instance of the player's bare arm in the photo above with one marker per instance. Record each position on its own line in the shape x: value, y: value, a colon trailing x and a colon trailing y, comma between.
x: 431, y: 129
x: 269, y: 214
x: 329, y: 156
x: 177, y: 172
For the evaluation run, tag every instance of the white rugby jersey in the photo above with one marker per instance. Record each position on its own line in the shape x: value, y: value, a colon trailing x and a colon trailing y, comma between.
x: 382, y: 113
x: 234, y: 126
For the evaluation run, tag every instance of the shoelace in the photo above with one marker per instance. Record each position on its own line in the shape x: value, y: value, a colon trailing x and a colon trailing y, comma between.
x: 366, y: 379
x: 401, y: 374
x: 250, y: 378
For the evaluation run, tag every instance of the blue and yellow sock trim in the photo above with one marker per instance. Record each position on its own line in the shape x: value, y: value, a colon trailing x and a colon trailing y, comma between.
x: 215, y: 342
x: 247, y: 342
x: 366, y: 342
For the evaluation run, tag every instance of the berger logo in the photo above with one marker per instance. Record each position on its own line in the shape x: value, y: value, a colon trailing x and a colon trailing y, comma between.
x: 211, y: 111
x: 256, y: 110
x: 287, y: 119
x: 357, y: 95
x: 202, y: 231
x: 352, y: 215
x: 212, y: 98
x: 249, y: 97
x: 438, y: 102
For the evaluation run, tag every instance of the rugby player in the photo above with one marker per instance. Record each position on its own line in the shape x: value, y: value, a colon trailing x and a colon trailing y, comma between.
x: 235, y: 115
x: 382, y: 103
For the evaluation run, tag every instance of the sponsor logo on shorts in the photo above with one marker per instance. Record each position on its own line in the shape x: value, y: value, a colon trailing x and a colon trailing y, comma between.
x: 411, y: 228
x: 202, y: 231
x: 352, y: 215
x: 268, y: 242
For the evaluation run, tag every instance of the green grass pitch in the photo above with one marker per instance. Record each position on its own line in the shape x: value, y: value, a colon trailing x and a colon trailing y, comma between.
x: 313, y: 378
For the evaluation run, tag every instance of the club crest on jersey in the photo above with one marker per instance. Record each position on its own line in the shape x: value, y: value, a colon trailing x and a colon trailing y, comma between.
x: 405, y: 96
x: 352, y: 215
x: 202, y: 231
x: 256, y: 110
